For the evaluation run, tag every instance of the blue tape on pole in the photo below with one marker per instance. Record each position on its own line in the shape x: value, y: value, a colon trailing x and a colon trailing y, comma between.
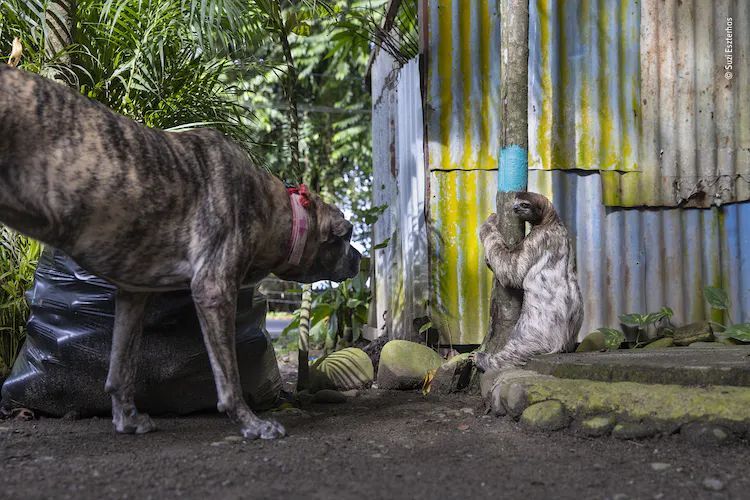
x: 513, y: 174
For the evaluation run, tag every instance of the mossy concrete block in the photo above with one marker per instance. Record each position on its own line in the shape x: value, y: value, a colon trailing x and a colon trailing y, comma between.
x: 545, y: 416
x: 594, y: 341
x: 634, y: 430
x: 660, y: 344
x: 453, y: 376
x: 342, y: 370
x: 404, y: 364
x: 694, y: 332
x: 599, y: 425
x: 663, y: 407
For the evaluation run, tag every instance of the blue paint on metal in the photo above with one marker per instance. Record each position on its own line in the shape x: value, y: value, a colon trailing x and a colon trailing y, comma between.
x: 513, y: 174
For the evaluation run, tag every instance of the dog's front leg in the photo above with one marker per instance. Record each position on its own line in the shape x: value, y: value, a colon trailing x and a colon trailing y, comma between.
x: 216, y: 305
x: 123, y: 363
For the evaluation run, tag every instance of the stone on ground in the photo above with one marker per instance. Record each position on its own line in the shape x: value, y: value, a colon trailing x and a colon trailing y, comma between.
x: 329, y: 396
x: 454, y: 375
x: 634, y: 430
x: 594, y: 341
x: 404, y: 364
x: 694, y: 332
x: 599, y: 425
x: 661, y: 343
x: 705, y: 434
x: 343, y: 370
x: 545, y: 416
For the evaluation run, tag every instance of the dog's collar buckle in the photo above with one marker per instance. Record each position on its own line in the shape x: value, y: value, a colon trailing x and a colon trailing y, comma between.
x: 300, y: 200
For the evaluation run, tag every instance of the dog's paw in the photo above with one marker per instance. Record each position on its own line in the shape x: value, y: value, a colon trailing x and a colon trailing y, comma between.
x: 263, y: 429
x: 140, y: 423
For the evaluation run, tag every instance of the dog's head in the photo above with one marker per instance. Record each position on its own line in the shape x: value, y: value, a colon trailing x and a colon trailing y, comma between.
x: 328, y: 253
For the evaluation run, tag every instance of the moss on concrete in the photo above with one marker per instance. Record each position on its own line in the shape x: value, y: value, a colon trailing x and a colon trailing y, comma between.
x: 661, y: 343
x: 598, y: 425
x: 404, y: 364
x: 644, y: 401
x: 545, y: 416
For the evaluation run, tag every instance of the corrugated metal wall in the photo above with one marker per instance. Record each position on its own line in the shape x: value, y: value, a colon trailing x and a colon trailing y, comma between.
x: 695, y: 133
x: 630, y: 91
x: 401, y: 285
x: 638, y: 260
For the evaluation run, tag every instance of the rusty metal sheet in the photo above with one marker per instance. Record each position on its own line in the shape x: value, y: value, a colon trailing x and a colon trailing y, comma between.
x: 460, y: 281
x: 463, y: 84
x: 583, y: 84
x: 695, y: 137
x: 638, y: 260
x: 401, y: 284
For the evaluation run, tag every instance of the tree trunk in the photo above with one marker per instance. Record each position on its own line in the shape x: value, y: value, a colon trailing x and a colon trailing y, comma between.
x: 505, y: 305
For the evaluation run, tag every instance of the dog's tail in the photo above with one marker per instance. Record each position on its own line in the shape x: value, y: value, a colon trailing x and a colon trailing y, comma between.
x: 15, y: 53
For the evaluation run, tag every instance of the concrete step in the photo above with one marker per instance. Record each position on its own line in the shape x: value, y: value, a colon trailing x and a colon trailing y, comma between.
x: 716, y: 364
x: 627, y: 410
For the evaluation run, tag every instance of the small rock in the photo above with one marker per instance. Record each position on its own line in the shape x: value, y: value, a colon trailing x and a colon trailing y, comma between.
x: 660, y: 466
x: 453, y: 376
x: 404, y: 364
x: 353, y: 393
x: 660, y: 343
x: 713, y: 484
x: 71, y: 415
x: 463, y: 427
x: 594, y: 341
x: 516, y: 399
x: 694, y: 332
x: 629, y: 430
x: 346, y: 369
x: 329, y: 396
x: 219, y: 443
x: 546, y: 416
x: 4, y: 429
x: 598, y: 426
x: 705, y: 434
x: 234, y: 439
x: 468, y: 411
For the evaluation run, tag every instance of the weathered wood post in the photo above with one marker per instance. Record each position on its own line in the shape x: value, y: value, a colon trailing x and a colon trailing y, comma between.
x: 512, y: 176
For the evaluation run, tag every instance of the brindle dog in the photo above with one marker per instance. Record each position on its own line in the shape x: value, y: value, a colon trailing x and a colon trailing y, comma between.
x: 152, y: 211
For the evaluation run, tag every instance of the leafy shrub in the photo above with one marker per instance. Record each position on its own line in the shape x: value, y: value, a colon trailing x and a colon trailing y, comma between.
x: 18, y: 258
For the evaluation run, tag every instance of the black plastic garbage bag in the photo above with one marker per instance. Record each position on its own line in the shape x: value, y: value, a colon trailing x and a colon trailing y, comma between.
x: 63, y: 364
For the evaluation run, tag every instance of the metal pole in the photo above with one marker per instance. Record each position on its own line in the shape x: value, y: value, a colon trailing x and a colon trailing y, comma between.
x: 513, y: 164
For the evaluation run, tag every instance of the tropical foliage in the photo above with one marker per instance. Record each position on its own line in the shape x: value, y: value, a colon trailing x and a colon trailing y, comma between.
x: 18, y: 258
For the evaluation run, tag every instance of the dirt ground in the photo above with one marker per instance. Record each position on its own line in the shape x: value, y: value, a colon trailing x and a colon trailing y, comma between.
x: 380, y: 444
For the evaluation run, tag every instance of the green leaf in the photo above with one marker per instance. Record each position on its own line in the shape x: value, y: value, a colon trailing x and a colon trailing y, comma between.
x: 635, y: 320
x: 612, y: 337
x: 382, y: 244
x: 740, y: 331
x: 425, y: 327
x: 716, y: 297
x: 667, y: 312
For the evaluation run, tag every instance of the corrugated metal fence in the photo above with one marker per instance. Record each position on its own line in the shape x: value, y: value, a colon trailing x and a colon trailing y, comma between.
x: 628, y: 107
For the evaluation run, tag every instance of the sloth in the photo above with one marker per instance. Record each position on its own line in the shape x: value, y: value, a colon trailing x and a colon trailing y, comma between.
x: 543, y: 265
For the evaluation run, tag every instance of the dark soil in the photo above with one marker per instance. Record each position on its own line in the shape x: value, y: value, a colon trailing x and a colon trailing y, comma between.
x: 378, y: 445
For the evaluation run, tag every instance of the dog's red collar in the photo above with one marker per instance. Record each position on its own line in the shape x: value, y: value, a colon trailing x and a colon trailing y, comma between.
x: 300, y: 200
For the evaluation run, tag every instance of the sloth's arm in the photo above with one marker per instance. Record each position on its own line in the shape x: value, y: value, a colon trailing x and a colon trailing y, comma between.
x: 510, y: 266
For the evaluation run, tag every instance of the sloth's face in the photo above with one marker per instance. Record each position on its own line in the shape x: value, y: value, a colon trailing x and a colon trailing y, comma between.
x: 525, y: 210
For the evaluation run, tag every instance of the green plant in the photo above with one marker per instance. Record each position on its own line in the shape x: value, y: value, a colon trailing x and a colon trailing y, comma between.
x: 18, y: 258
x: 338, y: 314
x: 718, y: 299
x: 642, y: 321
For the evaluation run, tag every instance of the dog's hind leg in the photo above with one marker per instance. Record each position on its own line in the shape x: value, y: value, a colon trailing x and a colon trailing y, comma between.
x: 216, y: 305
x: 123, y: 363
